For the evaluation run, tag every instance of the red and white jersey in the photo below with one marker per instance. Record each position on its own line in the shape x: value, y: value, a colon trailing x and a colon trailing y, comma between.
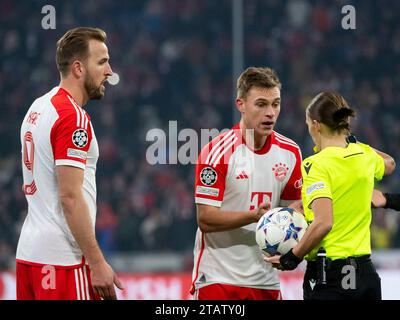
x: 233, y: 177
x: 55, y: 131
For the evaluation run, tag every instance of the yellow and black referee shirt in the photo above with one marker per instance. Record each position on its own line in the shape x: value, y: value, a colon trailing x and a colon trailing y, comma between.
x: 347, y: 176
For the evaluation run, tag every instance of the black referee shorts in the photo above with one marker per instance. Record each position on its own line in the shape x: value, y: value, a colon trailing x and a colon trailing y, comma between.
x: 346, y: 279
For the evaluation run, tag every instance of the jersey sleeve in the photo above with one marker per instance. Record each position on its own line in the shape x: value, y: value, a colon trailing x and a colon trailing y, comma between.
x: 70, y: 140
x: 316, y: 182
x: 210, y: 179
x: 379, y: 167
x: 378, y: 161
x: 292, y: 190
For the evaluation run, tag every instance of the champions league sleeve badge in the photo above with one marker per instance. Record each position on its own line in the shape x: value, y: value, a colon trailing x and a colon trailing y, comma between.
x: 80, y: 138
x: 208, y: 176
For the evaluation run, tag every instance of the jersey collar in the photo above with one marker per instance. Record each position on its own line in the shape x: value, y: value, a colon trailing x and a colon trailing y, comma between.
x: 65, y: 92
x: 266, y: 147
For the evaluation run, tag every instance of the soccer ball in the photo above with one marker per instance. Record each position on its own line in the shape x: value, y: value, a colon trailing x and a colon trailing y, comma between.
x: 279, y: 230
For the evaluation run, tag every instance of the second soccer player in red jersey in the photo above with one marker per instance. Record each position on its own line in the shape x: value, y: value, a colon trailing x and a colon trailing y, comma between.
x: 239, y: 176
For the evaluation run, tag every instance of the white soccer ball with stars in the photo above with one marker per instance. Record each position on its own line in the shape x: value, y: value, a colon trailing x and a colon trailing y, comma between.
x: 279, y: 230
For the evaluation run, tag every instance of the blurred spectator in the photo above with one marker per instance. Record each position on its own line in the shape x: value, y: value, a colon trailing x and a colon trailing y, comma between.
x: 381, y: 232
x: 106, y: 222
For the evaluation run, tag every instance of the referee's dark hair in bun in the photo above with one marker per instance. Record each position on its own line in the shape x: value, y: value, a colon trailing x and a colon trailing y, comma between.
x: 331, y: 109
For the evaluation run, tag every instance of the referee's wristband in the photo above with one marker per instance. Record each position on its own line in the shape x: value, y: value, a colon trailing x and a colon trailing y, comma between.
x: 392, y: 201
x: 289, y: 261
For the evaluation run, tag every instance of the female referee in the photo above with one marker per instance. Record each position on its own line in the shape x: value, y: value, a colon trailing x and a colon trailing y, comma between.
x: 337, y: 189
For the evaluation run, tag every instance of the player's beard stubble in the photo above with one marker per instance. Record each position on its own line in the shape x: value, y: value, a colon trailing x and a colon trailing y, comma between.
x: 94, y: 92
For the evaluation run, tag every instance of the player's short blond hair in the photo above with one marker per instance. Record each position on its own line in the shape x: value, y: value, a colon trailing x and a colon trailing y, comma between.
x: 256, y: 77
x: 74, y: 44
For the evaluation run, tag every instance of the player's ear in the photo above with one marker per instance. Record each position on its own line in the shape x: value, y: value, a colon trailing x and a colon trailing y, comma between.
x: 240, y: 104
x: 77, y: 69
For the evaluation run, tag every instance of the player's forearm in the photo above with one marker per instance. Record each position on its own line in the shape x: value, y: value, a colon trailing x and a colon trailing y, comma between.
x: 225, y: 220
x: 76, y: 213
x: 313, y: 236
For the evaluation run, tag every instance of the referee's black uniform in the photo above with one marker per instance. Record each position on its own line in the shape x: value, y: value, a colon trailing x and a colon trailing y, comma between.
x: 351, y: 278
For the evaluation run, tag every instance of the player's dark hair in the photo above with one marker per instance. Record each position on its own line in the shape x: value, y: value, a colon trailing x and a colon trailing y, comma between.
x: 74, y: 44
x: 256, y: 77
x: 331, y: 109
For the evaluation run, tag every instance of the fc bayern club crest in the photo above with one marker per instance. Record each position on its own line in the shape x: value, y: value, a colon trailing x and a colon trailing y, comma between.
x: 208, y: 176
x: 280, y: 170
x: 80, y: 138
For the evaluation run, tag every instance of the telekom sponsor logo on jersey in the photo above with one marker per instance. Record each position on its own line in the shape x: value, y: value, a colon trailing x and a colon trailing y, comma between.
x: 259, y: 197
x: 184, y: 146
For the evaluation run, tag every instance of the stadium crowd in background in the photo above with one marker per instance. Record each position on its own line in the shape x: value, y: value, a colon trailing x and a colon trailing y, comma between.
x: 174, y: 61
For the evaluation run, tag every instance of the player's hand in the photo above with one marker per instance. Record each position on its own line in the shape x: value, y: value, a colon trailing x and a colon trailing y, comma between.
x: 378, y: 199
x: 263, y: 208
x: 297, y: 206
x: 275, y: 261
x: 103, y: 280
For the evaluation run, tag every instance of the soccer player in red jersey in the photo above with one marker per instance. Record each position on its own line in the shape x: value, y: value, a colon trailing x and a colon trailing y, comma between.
x: 58, y: 256
x: 239, y: 176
